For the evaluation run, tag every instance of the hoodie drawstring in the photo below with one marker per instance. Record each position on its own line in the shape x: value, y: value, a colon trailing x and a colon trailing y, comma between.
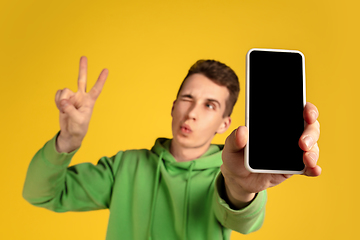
x: 156, y: 183
x: 187, y: 196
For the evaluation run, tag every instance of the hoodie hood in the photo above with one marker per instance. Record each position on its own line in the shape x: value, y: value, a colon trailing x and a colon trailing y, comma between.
x: 210, y: 159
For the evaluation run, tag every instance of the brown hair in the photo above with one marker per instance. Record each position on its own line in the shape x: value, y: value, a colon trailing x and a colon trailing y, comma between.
x: 220, y: 74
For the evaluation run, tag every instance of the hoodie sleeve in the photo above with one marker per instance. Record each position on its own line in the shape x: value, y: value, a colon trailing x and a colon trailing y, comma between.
x: 51, y: 184
x: 246, y: 220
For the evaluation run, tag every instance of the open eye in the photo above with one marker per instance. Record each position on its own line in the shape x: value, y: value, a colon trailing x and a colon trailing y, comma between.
x: 210, y: 106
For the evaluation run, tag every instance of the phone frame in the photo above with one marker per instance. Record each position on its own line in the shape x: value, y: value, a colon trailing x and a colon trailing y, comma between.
x: 247, y: 108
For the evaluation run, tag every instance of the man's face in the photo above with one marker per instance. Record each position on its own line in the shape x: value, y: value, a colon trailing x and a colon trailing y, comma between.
x: 198, y: 111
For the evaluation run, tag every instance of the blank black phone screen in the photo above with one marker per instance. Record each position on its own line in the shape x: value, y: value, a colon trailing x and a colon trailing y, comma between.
x: 276, y: 110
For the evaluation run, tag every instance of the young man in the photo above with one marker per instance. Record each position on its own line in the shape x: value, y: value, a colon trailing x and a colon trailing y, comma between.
x: 175, y: 190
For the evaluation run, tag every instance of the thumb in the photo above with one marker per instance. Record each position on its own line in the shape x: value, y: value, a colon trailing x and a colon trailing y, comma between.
x: 66, y: 106
x: 237, y: 140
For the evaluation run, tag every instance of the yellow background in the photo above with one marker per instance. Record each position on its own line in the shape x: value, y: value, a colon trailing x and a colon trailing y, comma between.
x: 148, y: 47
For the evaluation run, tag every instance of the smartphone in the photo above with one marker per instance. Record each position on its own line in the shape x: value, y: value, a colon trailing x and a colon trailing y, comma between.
x: 275, y: 101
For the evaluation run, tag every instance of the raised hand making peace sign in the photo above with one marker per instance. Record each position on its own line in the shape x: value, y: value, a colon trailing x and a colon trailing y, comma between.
x: 76, y: 109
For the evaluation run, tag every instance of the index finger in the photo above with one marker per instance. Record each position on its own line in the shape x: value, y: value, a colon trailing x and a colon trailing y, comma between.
x: 82, y: 74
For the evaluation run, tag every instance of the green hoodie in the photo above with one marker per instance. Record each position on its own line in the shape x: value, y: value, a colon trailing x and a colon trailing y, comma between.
x: 149, y: 194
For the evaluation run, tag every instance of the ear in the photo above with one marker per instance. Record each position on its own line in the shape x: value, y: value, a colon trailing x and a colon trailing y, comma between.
x: 172, y: 109
x: 224, y: 125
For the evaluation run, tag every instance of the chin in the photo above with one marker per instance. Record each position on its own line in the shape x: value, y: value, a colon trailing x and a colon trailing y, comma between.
x: 188, y: 142
x: 183, y: 141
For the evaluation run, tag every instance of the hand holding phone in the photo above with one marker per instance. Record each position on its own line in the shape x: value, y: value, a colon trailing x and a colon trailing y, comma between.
x: 272, y: 146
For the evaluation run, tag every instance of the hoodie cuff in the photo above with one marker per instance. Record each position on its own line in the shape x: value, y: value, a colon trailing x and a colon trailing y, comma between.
x: 53, y: 157
x: 245, y: 220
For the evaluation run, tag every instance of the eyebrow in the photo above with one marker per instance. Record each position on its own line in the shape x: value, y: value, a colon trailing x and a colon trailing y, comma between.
x: 209, y: 99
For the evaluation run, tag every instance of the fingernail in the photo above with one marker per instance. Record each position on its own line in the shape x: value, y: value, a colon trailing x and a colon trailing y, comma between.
x: 308, y: 142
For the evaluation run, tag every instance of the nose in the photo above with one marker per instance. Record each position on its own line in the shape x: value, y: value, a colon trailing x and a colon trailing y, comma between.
x: 193, y: 111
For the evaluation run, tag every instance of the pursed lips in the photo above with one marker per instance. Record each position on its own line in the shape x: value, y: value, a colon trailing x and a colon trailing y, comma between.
x: 185, y: 128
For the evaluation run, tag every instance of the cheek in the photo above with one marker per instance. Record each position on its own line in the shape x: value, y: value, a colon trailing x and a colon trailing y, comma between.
x: 175, y: 114
x: 212, y: 124
x: 180, y: 109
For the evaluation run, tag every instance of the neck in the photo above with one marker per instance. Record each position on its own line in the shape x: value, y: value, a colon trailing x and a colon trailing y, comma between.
x: 183, y: 154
